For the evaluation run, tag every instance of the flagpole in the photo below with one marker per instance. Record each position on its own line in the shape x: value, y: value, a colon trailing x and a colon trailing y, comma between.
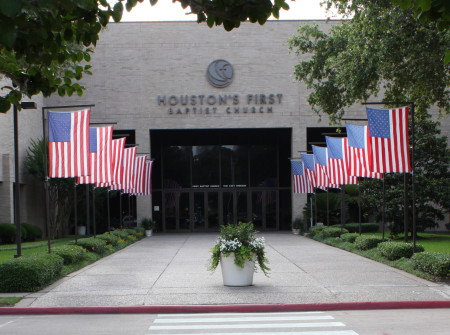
x: 120, y: 208
x: 405, y: 208
x: 359, y: 206
x: 311, y: 218
x: 93, y: 212
x: 384, y: 203
x: 75, y: 213
x: 46, y: 179
x: 88, y: 223
x: 342, y: 207
x: 315, y: 206
x: 328, y: 208
x: 107, y: 207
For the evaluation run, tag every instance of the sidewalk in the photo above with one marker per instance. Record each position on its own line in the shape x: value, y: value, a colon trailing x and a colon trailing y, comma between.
x: 170, y: 269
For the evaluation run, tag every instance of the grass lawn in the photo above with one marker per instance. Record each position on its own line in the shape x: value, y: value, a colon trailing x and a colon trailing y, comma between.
x: 431, y: 242
x: 7, y: 251
x: 8, y: 301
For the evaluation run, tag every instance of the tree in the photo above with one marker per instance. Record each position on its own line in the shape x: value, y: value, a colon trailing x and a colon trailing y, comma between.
x: 45, y: 44
x: 60, y: 190
x: 381, y: 48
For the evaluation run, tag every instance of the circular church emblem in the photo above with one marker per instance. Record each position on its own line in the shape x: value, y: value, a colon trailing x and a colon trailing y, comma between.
x: 220, y: 73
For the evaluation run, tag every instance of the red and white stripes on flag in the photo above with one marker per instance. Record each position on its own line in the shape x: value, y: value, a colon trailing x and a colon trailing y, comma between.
x: 321, y: 167
x: 300, y: 179
x: 337, y: 168
x: 147, y: 189
x: 138, y: 176
x: 129, y: 158
x: 100, y: 148
x: 358, y: 153
x: 68, y: 144
x: 118, y: 147
x: 388, y: 133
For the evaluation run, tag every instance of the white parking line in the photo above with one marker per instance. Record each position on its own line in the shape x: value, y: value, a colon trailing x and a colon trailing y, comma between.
x: 247, y: 319
x: 251, y: 326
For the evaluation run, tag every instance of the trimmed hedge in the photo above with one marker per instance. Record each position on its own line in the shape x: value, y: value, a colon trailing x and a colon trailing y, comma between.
x: 33, y: 232
x: 333, y: 232
x: 92, y: 244
x: 434, y: 263
x: 397, y: 250
x: 365, y: 227
x: 131, y: 231
x: 366, y: 242
x: 120, y: 233
x: 315, y: 230
x: 109, y: 238
x: 7, y: 233
x: 139, y: 229
x: 69, y: 253
x: 349, y: 237
x: 29, y: 273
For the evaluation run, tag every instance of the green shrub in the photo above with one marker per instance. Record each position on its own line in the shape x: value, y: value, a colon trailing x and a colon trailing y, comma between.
x: 109, y: 238
x: 120, y: 233
x: 69, y: 253
x: 131, y: 231
x: 366, y: 242
x: 7, y: 233
x: 92, y: 244
x: 397, y: 250
x: 349, y: 237
x: 434, y: 263
x: 315, y: 230
x: 365, y: 227
x: 139, y: 230
x: 33, y: 232
x: 333, y: 232
x: 29, y: 273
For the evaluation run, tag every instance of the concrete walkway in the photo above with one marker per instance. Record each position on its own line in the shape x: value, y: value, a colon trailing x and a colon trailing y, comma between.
x: 170, y: 269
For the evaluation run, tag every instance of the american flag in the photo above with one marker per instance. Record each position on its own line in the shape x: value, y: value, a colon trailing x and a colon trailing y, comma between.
x: 301, y: 182
x: 148, y: 178
x: 321, y: 161
x: 310, y: 168
x: 138, y: 175
x: 118, y: 146
x: 129, y: 157
x: 100, y: 143
x: 337, y: 168
x: 359, y: 153
x: 68, y: 144
x: 388, y: 133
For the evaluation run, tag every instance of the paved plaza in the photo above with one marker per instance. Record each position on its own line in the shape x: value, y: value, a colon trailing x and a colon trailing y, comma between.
x: 171, y: 269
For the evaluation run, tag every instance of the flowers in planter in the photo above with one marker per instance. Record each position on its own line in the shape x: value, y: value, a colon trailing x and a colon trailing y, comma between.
x: 241, y: 240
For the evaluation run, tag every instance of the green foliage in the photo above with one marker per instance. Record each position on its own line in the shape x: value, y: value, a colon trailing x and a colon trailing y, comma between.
x: 333, y: 232
x: 29, y: 273
x: 33, y: 232
x: 381, y: 48
x: 92, y: 244
x: 435, y: 263
x: 349, y: 237
x: 7, y: 233
x: 366, y: 227
x: 131, y: 232
x: 148, y: 223
x: 120, y: 233
x: 366, y: 242
x: 297, y: 223
x: 315, y: 230
x: 69, y: 253
x: 396, y: 250
x: 109, y: 238
x: 139, y: 230
x: 241, y: 240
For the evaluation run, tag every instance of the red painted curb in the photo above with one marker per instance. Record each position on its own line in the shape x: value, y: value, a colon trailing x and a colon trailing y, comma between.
x: 225, y: 308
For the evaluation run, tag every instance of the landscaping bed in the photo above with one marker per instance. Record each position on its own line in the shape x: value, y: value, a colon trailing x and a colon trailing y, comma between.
x: 431, y: 260
x: 36, y: 268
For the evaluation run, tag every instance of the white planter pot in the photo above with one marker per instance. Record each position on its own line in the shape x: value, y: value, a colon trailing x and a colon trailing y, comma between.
x: 148, y: 233
x: 81, y: 230
x: 234, y: 275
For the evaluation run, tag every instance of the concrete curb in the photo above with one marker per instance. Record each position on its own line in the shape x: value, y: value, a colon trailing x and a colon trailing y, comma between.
x: 225, y: 308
